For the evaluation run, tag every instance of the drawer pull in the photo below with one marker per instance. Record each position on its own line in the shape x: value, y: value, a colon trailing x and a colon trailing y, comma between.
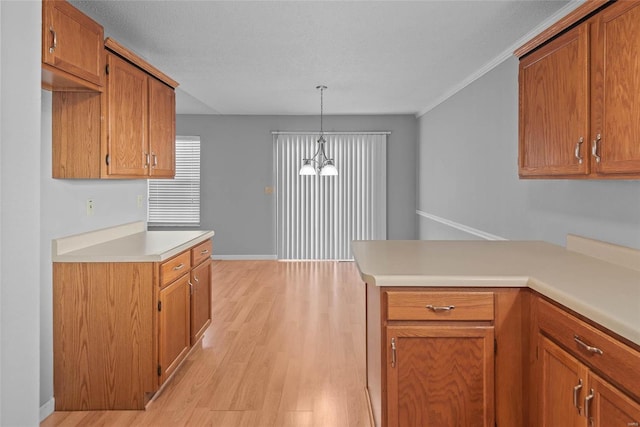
x: 393, y: 352
x: 576, y: 390
x: 178, y: 267
x: 594, y: 148
x: 584, y: 345
x: 438, y: 308
x: 633, y: 424
x: 204, y: 251
x: 53, y: 47
x: 577, y: 151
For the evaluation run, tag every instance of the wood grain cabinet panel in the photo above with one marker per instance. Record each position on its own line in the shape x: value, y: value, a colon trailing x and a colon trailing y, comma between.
x: 561, y: 377
x: 127, y: 112
x: 72, y: 48
x: 103, y: 317
x: 610, y: 407
x: 554, y: 107
x: 579, y: 106
x: 440, y: 376
x: 200, y: 300
x: 162, y: 129
x: 119, y: 333
x: 429, y: 305
x: 616, y: 89
x: 174, y: 268
x: 174, y: 326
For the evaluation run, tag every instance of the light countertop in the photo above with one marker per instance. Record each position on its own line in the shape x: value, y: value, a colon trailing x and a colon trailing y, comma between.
x: 602, y: 291
x: 126, y: 243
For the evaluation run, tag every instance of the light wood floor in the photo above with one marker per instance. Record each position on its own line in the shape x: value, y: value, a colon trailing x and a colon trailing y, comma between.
x: 286, y: 347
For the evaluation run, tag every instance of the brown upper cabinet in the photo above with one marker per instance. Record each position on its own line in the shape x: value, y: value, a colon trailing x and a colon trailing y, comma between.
x: 125, y: 132
x: 72, y: 49
x: 579, y: 109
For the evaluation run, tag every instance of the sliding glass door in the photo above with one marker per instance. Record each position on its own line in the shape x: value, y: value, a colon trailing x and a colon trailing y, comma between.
x: 319, y: 216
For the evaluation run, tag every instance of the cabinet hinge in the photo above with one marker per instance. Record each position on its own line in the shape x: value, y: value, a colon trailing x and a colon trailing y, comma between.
x: 106, y: 159
x: 159, y: 305
x: 159, y: 370
x: 106, y: 69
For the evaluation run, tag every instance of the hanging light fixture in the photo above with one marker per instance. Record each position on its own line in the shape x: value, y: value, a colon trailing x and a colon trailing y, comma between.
x: 319, y: 163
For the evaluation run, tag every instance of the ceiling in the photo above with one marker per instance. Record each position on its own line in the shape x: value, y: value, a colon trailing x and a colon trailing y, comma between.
x: 267, y: 57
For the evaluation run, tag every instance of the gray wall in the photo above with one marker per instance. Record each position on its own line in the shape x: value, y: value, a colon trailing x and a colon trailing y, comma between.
x: 467, y: 173
x: 63, y: 213
x: 19, y: 211
x: 237, y: 163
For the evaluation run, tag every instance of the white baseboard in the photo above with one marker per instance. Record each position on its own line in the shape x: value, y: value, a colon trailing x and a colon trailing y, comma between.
x: 244, y: 257
x: 461, y: 227
x: 47, y: 409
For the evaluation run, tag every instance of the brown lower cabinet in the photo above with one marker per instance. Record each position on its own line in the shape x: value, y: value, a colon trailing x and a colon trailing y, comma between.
x: 573, y: 395
x: 494, y: 357
x: 440, y: 376
x: 572, y: 359
x: 121, y: 329
x: 175, y: 326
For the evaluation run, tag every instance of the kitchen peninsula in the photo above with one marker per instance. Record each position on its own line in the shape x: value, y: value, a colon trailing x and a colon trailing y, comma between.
x: 128, y: 306
x: 485, y: 332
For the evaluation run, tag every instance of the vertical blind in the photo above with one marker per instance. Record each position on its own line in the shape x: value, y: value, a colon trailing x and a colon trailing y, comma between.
x: 319, y: 216
x: 177, y: 201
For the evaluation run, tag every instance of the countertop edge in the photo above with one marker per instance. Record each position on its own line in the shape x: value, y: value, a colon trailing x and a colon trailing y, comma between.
x: 149, y: 257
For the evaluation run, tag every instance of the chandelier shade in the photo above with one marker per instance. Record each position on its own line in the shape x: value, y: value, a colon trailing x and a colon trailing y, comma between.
x: 319, y: 163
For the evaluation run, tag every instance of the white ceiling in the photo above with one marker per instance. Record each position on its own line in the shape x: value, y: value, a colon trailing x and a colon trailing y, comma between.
x: 266, y: 57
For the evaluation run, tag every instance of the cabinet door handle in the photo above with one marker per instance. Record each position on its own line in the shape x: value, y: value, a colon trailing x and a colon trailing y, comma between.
x: 594, y: 147
x: 633, y: 424
x: 393, y: 352
x: 178, y: 267
x: 587, y: 405
x: 147, y: 160
x: 155, y: 160
x: 437, y: 308
x: 53, y: 47
x: 196, y: 279
x: 576, y: 391
x: 191, y: 288
x: 577, y: 151
x: 584, y: 345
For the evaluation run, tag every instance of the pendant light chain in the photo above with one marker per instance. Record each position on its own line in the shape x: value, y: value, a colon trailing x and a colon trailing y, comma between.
x: 319, y: 163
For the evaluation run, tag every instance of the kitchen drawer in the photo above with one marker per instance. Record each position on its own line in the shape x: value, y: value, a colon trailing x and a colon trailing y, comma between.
x: 174, y: 268
x: 425, y: 305
x: 201, y: 252
x: 608, y: 356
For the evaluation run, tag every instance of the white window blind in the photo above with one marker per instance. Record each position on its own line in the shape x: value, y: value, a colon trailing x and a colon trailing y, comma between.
x: 177, y: 201
x: 319, y: 216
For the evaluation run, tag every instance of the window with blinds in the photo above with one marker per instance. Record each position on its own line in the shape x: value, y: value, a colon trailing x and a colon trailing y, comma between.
x: 176, y: 202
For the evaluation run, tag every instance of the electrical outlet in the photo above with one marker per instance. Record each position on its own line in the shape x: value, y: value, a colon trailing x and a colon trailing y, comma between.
x: 140, y: 200
x: 89, y: 207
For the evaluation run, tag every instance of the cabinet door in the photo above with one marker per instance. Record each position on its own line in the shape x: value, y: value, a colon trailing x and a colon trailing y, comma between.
x: 440, y: 376
x: 554, y: 107
x: 174, y: 325
x: 610, y: 407
x: 200, y: 300
x: 127, y: 116
x: 71, y: 41
x: 162, y: 129
x: 616, y: 88
x: 563, y: 387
